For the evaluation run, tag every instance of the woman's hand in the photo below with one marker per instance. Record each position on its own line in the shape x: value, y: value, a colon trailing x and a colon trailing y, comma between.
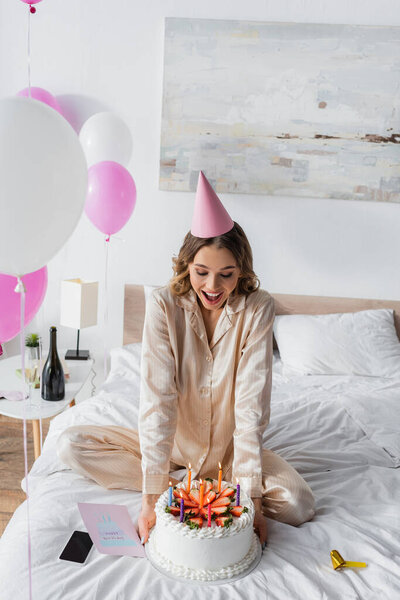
x: 260, y: 522
x: 260, y: 526
x: 147, y: 517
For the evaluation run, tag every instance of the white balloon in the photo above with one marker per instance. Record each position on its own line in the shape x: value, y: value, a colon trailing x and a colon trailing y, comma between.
x: 43, y: 184
x: 104, y: 136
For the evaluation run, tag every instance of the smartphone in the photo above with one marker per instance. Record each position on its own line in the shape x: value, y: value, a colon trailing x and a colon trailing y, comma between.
x: 77, y: 548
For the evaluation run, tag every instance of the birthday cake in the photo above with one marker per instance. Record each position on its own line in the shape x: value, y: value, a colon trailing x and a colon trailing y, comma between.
x: 209, y: 538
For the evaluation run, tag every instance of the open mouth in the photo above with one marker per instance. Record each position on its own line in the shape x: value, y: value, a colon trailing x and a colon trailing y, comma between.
x: 212, y: 298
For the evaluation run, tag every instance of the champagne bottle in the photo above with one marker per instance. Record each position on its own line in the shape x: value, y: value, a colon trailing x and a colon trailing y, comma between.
x: 53, y: 387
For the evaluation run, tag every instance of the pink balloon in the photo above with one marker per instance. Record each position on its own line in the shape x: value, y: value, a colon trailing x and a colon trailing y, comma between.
x: 10, y: 301
x: 31, y: 1
x: 111, y: 196
x: 42, y: 95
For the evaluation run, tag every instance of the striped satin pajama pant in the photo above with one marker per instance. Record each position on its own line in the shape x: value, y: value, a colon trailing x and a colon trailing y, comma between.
x: 110, y: 455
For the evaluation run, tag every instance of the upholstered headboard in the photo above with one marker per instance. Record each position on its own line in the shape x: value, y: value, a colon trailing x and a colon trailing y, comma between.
x: 285, y: 304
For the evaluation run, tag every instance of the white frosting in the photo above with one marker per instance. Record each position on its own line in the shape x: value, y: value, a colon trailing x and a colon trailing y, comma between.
x: 208, y: 553
x: 203, y: 574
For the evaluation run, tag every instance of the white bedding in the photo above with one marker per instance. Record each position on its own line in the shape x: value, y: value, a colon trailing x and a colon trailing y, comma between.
x: 339, y: 432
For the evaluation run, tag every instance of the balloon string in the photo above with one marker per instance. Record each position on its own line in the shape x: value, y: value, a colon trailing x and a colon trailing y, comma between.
x: 20, y: 288
x: 29, y: 52
x: 40, y: 374
x: 106, y: 246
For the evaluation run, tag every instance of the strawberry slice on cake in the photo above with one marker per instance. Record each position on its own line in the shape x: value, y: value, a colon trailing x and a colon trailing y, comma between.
x: 174, y: 510
x: 209, y: 497
x: 192, y: 511
x: 195, y: 522
x: 220, y: 502
x: 223, y: 521
x: 194, y: 495
x: 181, y: 493
x: 208, y: 486
x: 219, y: 510
x: 229, y: 491
x: 236, y: 511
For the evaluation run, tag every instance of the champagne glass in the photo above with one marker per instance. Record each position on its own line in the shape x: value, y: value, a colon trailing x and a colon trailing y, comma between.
x: 32, y: 371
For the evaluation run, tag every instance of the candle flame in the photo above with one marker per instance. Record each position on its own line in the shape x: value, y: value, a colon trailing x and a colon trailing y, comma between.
x: 219, y: 465
x: 170, y: 484
x: 190, y: 466
x: 237, y: 480
x: 181, y: 494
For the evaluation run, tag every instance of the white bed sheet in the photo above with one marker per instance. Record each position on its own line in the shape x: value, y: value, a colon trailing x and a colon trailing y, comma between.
x: 352, y: 475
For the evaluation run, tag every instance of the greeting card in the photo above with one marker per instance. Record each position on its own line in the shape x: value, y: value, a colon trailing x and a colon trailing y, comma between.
x: 111, y: 529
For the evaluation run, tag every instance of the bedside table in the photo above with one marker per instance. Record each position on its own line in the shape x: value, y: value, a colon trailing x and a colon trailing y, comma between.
x: 39, y: 408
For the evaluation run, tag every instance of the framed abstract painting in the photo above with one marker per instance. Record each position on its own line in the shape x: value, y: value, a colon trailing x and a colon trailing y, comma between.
x: 285, y: 109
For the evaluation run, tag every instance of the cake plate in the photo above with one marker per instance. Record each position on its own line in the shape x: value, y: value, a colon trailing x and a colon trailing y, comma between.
x: 244, y: 573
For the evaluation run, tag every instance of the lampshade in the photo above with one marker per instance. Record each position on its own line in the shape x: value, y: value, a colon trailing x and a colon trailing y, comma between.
x: 78, y: 303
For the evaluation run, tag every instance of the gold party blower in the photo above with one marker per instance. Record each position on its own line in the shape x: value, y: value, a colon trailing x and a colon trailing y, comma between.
x: 338, y: 561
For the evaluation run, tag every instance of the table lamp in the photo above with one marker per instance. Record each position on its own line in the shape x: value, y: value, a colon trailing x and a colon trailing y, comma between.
x: 78, y: 310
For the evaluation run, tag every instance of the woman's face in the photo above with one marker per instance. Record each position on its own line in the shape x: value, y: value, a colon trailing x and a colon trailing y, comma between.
x: 213, y: 271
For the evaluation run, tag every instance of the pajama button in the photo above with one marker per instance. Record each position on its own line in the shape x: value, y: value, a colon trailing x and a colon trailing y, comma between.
x: 208, y: 358
x: 205, y: 422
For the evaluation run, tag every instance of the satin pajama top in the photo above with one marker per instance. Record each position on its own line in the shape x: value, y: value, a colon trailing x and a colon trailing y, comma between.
x: 203, y: 402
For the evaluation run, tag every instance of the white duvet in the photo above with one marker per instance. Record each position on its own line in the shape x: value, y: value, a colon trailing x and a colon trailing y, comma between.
x: 340, y: 432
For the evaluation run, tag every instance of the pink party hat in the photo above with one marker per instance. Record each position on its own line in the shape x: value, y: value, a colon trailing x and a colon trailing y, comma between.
x: 210, y: 218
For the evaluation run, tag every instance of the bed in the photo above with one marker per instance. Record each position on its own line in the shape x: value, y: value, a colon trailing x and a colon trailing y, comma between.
x: 339, y: 431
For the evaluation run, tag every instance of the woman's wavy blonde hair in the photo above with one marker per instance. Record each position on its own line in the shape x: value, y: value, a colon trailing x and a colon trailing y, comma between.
x: 234, y: 240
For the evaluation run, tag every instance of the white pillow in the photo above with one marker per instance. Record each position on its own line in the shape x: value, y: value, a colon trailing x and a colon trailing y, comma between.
x: 360, y: 343
x: 125, y: 363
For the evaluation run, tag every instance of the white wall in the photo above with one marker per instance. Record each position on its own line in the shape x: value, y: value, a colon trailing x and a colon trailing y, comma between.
x: 108, y: 55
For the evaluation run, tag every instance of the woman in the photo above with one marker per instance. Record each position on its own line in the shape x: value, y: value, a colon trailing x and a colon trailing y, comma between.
x: 205, y: 383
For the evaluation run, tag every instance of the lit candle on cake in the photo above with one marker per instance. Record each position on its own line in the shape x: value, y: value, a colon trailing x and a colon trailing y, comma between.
x: 189, y: 478
x: 201, y: 493
x: 209, y: 516
x: 182, y: 507
x: 219, y: 478
x: 170, y: 494
x: 237, y: 492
